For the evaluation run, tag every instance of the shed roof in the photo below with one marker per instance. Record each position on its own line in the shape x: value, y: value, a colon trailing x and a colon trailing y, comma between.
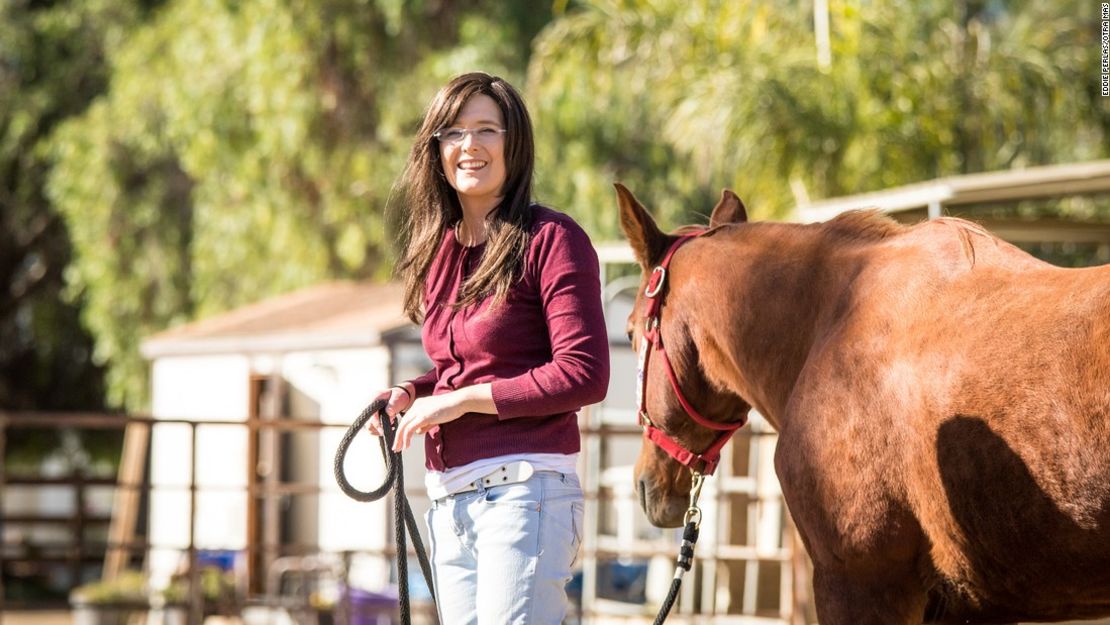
x: 327, y: 316
x: 984, y: 188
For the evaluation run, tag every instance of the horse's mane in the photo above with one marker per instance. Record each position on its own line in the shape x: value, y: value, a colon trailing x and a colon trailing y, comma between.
x: 871, y: 225
x: 863, y: 225
x: 854, y: 225
x: 689, y: 229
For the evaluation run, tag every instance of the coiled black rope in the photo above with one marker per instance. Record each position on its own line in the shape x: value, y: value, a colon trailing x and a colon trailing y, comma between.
x: 402, y: 512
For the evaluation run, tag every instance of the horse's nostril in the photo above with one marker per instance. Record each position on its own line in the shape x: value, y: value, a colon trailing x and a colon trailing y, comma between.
x: 642, y: 488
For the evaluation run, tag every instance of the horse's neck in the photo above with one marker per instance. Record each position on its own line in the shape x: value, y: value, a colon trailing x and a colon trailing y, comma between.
x: 778, y: 288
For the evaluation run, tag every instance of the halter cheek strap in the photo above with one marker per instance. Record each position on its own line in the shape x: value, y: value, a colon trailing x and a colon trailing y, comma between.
x: 706, y: 461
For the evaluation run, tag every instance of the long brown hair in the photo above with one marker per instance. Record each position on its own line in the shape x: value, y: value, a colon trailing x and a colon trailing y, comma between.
x: 430, y: 206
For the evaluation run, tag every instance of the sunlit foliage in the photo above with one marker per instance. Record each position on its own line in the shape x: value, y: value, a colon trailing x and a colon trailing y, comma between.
x: 245, y: 148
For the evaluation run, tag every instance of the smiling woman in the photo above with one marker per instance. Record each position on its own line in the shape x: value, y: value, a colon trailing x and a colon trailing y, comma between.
x: 473, y: 155
x: 509, y: 296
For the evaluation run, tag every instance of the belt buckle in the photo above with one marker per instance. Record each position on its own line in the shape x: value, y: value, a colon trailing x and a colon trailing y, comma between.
x: 509, y: 473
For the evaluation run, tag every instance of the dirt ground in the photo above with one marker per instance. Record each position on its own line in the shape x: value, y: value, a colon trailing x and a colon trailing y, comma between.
x: 36, y: 618
x: 64, y: 617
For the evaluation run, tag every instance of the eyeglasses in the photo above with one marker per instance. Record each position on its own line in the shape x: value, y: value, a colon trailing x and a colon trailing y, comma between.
x: 455, y: 136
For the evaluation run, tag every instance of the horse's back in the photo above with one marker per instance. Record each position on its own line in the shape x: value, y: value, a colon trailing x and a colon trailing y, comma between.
x: 1018, y: 442
x: 952, y: 279
x: 989, y: 372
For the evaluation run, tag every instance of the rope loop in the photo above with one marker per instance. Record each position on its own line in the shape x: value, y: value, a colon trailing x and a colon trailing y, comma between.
x: 395, y: 481
x: 386, y: 441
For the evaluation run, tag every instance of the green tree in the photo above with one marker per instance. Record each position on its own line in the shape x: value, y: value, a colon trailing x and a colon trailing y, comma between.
x: 246, y: 149
x: 680, y: 98
x: 52, y: 63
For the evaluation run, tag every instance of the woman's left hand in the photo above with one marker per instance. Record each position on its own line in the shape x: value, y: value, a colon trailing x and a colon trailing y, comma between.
x: 426, y: 413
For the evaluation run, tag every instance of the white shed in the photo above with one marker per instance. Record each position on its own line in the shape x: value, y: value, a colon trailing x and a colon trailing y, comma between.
x: 315, y: 355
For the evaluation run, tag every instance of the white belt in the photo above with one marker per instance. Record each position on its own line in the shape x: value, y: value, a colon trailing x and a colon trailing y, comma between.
x: 510, y: 473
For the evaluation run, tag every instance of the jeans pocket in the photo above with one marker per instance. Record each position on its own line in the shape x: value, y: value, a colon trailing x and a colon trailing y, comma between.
x: 577, y: 512
x: 522, y: 495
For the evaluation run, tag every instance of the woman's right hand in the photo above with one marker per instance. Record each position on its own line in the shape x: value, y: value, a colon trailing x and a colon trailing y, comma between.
x: 398, y: 399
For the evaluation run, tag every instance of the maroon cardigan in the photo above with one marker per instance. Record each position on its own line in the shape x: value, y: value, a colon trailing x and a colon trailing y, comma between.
x: 545, y: 349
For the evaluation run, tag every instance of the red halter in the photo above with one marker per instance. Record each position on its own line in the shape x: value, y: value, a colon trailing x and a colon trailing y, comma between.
x: 654, y: 338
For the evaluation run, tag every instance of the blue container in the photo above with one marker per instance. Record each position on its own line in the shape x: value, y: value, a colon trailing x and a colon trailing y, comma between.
x: 223, y: 559
x: 622, y: 581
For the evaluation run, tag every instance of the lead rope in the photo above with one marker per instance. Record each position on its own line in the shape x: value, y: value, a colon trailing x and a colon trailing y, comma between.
x: 692, y: 522
x: 402, y: 512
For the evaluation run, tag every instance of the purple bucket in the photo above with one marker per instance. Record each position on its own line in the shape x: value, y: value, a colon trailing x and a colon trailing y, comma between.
x: 373, y: 608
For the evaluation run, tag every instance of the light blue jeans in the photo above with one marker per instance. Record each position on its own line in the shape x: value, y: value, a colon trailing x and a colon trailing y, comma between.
x: 504, y: 554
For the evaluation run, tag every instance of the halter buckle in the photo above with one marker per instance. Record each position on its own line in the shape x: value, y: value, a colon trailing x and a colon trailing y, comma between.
x: 654, y: 285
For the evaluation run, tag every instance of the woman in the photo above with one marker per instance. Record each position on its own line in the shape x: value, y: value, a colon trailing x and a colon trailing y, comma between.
x: 509, y: 295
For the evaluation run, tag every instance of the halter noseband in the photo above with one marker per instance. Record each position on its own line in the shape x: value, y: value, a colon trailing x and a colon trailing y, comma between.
x: 654, y: 338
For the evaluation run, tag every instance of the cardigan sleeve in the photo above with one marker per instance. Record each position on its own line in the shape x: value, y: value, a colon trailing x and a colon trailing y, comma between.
x: 570, y: 291
x: 425, y: 384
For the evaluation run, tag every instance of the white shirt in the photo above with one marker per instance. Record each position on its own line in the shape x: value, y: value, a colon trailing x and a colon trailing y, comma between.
x: 442, y: 483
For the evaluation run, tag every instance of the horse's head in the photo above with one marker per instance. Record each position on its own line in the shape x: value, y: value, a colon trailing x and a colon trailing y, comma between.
x: 662, y: 482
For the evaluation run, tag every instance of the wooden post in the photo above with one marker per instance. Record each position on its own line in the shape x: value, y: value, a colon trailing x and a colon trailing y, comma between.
x: 272, y: 409
x: 3, y: 492
x: 196, y: 598
x: 77, y: 547
x: 799, y: 562
x: 125, y: 504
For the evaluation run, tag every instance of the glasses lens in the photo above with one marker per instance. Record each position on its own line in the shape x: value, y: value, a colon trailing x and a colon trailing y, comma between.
x: 451, y: 135
x: 455, y: 136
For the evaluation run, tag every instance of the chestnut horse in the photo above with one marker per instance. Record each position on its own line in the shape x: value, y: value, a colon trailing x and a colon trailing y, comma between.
x: 942, y: 401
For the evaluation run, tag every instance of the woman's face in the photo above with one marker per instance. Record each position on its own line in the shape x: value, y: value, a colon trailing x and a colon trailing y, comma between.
x: 472, y: 151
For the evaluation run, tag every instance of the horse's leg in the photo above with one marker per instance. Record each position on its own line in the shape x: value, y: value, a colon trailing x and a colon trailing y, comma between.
x: 894, y: 597
x: 841, y: 485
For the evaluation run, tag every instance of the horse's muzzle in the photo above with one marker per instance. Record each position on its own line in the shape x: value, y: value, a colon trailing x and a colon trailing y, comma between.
x: 661, y: 511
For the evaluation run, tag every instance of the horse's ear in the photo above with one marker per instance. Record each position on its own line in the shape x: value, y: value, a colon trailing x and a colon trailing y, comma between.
x: 730, y: 210
x: 647, y: 240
